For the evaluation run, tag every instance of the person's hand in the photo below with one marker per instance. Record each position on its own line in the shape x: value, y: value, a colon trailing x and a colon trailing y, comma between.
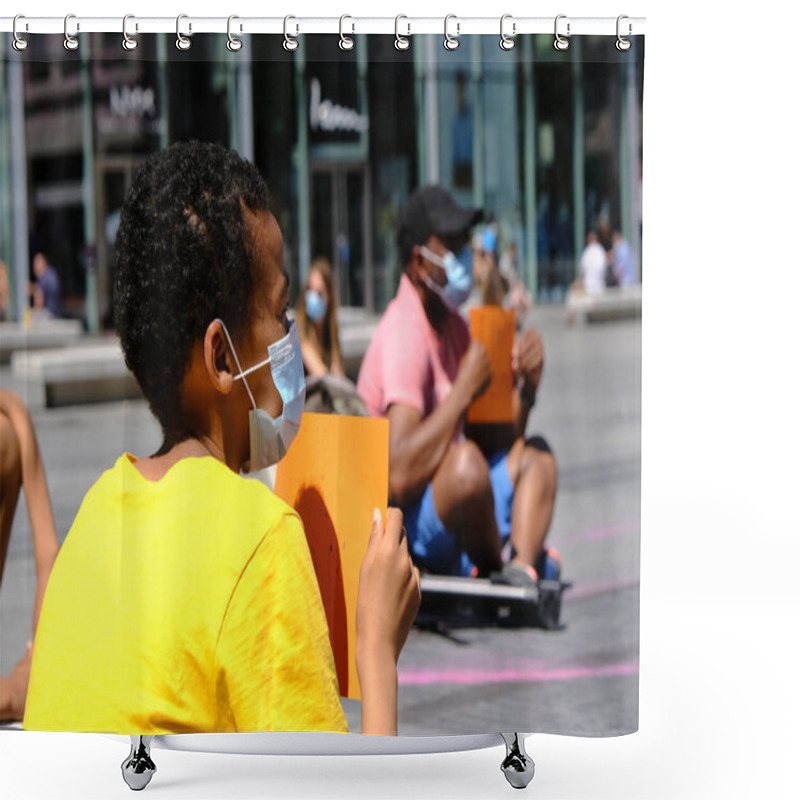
x: 474, y: 371
x: 388, y: 590
x: 527, y: 358
x: 15, y: 688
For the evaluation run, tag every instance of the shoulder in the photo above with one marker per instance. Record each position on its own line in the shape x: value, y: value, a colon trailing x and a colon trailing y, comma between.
x: 400, y: 337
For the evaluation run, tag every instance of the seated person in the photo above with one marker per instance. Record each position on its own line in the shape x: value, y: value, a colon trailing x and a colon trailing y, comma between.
x: 478, y: 500
x: 622, y: 259
x: 593, y: 265
x: 47, y: 288
x: 21, y: 467
x: 317, y: 325
x: 184, y: 598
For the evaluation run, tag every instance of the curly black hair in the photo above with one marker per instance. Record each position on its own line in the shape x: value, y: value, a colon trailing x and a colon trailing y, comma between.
x: 183, y: 256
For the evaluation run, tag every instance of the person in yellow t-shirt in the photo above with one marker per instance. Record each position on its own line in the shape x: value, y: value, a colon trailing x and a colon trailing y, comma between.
x: 184, y: 598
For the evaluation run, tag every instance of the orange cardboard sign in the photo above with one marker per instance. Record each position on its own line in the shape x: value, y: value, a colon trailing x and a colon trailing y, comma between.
x: 335, y: 473
x: 495, y: 327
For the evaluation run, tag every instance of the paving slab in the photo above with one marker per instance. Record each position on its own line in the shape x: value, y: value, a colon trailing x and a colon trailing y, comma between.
x: 580, y: 680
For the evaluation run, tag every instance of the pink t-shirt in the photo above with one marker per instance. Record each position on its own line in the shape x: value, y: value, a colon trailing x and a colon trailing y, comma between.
x: 407, y: 361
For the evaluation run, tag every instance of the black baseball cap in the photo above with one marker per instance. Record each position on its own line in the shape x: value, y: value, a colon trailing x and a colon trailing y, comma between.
x: 432, y: 211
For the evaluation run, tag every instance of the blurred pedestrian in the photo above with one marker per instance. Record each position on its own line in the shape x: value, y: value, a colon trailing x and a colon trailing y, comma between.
x: 593, y: 265
x: 317, y: 322
x: 622, y: 259
x: 47, y: 287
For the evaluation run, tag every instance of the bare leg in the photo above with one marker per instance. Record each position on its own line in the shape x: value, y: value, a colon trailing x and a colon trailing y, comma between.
x: 535, y: 477
x: 10, y: 483
x: 37, y: 496
x: 21, y: 465
x: 462, y: 495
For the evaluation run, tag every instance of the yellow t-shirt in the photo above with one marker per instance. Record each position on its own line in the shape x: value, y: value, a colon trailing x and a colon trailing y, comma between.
x: 187, y: 604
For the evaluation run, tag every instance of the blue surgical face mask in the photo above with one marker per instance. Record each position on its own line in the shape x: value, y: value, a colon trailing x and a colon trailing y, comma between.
x: 459, y: 276
x: 270, y: 438
x: 315, y: 305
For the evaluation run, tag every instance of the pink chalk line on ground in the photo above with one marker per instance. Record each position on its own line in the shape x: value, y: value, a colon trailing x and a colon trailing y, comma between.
x: 579, y: 592
x: 604, y: 532
x: 528, y: 674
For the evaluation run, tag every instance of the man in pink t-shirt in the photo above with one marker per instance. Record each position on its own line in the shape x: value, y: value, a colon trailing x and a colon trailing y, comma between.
x: 477, y: 500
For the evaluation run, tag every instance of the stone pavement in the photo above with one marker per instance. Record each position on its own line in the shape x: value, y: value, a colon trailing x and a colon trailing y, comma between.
x: 579, y: 680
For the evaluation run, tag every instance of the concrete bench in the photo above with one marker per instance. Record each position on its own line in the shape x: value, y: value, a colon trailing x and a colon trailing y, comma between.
x: 40, y: 334
x: 94, y: 371
x: 617, y: 302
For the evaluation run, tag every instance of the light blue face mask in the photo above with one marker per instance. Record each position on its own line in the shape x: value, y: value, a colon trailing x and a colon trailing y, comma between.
x: 315, y: 305
x: 459, y: 276
x: 271, y: 438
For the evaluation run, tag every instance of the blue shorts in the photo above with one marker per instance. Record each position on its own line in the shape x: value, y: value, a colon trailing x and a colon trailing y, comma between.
x: 433, y: 546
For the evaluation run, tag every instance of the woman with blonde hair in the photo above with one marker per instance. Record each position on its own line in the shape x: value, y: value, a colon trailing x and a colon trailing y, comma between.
x: 317, y: 326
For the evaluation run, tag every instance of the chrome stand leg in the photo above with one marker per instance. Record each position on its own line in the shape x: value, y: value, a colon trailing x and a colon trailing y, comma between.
x: 518, y: 766
x: 138, y: 768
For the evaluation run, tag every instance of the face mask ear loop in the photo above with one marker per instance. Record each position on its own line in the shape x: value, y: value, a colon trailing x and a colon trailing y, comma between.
x: 428, y: 281
x: 236, y: 359
x: 432, y: 257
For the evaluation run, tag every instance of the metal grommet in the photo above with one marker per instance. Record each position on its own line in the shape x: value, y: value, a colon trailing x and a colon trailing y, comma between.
x: 70, y: 42
x: 561, y: 42
x: 345, y: 42
x: 451, y: 42
x: 401, y: 42
x: 233, y: 44
x: 128, y: 42
x: 289, y: 43
x: 20, y: 43
x: 506, y: 42
x: 623, y: 44
x: 182, y: 42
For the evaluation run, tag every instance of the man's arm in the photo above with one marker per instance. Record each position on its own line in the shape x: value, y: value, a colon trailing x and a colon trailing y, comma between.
x: 527, y: 360
x: 416, y: 445
x: 527, y: 363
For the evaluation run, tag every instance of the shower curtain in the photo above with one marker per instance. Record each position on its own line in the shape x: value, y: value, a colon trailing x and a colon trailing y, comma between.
x: 545, y: 141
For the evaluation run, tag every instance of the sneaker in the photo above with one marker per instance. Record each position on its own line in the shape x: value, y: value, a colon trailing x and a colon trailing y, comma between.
x: 548, y: 565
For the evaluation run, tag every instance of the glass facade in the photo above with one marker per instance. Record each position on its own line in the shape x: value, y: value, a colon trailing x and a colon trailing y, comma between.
x: 548, y: 144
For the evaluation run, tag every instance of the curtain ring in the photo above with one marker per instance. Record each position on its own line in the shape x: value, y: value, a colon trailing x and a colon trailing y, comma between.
x: 401, y: 42
x: 623, y: 44
x: 451, y: 42
x: 128, y: 42
x: 233, y: 44
x: 20, y: 43
x: 289, y: 43
x: 345, y: 42
x: 182, y: 42
x: 506, y: 42
x: 561, y: 42
x: 70, y: 42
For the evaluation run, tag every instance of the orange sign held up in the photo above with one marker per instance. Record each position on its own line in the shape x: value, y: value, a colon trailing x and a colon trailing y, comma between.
x: 495, y: 327
x: 334, y: 475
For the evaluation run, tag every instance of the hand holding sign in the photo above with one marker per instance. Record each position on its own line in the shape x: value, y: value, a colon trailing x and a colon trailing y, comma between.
x: 335, y: 475
x: 495, y: 328
x: 527, y: 358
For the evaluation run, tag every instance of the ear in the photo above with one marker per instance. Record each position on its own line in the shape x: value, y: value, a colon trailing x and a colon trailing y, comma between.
x: 416, y: 263
x: 218, y: 360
